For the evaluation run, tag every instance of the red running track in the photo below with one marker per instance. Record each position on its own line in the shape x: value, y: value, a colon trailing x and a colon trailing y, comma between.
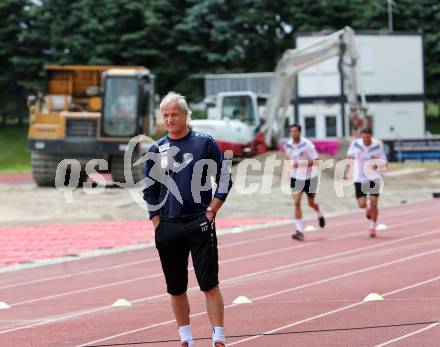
x: 13, y: 178
x: 28, y: 243
x: 26, y: 177
x: 301, y: 292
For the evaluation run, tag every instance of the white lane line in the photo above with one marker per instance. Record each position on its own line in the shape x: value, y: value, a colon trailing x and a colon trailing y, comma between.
x: 115, y: 267
x: 85, y: 290
x: 418, y: 284
x: 433, y: 325
x: 329, y: 279
x: 350, y: 259
x: 279, y: 250
x: 232, y: 244
x: 233, y: 281
x: 402, y: 172
x: 221, y: 246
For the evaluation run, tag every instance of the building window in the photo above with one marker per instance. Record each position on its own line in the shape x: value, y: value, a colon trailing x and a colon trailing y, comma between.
x: 330, y: 126
x: 310, y: 125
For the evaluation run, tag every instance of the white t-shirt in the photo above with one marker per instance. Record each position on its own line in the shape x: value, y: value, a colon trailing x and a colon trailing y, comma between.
x: 363, y: 171
x: 303, y: 151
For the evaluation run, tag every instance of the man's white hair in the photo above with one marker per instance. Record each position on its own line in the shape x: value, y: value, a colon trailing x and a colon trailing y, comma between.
x: 179, y: 99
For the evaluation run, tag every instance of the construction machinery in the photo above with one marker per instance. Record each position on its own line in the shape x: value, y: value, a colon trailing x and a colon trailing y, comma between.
x: 90, y: 112
x: 238, y: 124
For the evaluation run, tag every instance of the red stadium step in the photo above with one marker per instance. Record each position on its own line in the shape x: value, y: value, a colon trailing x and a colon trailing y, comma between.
x: 15, y: 177
x: 21, y: 244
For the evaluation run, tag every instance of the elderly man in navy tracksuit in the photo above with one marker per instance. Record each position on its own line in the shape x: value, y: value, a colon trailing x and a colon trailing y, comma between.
x: 179, y: 197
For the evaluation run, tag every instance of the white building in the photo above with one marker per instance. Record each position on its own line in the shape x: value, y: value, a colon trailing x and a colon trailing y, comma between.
x: 390, y: 74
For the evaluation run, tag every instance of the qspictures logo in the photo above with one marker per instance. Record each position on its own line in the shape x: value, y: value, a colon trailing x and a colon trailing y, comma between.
x: 164, y: 166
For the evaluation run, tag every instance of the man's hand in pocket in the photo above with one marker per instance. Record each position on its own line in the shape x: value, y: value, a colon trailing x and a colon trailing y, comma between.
x: 156, y: 221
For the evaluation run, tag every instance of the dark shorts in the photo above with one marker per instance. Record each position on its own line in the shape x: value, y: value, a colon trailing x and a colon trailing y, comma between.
x: 175, y: 240
x: 309, y: 186
x: 363, y: 189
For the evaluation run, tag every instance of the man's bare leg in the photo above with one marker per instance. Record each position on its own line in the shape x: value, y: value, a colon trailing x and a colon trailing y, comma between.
x: 314, y: 205
x: 216, y: 309
x: 180, y: 306
x: 215, y: 306
x: 298, y: 217
x: 374, y: 213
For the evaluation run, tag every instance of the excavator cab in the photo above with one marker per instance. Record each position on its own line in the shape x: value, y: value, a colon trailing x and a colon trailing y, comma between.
x: 241, y: 108
x: 235, y: 123
x: 126, y: 103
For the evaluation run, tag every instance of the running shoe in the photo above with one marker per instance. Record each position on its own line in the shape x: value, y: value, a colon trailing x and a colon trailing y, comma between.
x: 322, y: 222
x: 372, y: 232
x: 298, y: 236
x: 219, y: 344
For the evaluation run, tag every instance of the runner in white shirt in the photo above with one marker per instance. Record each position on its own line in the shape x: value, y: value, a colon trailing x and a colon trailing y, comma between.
x: 302, y: 153
x: 368, y: 156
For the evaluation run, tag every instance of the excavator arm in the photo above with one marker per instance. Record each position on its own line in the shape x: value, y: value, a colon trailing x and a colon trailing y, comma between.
x: 340, y: 43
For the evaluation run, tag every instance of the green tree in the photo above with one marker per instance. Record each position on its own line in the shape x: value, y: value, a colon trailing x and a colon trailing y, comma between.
x: 154, y: 44
x: 34, y: 49
x: 11, y: 95
x: 423, y: 15
x: 266, y: 29
x: 181, y: 40
x: 209, y: 40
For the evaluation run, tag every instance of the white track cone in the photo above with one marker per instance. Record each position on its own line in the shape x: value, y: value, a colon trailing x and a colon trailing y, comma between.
x: 4, y: 305
x: 373, y: 297
x: 381, y: 227
x: 236, y: 230
x: 309, y: 228
x: 242, y: 300
x: 121, y: 303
